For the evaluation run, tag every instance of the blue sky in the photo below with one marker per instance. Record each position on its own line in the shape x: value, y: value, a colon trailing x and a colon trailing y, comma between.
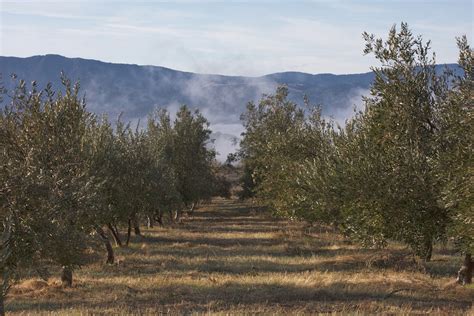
x: 226, y: 37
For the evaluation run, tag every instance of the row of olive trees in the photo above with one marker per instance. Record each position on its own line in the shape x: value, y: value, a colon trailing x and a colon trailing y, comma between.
x: 399, y: 170
x: 66, y: 174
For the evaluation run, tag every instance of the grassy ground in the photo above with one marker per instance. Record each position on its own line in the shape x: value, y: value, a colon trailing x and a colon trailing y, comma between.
x: 229, y: 258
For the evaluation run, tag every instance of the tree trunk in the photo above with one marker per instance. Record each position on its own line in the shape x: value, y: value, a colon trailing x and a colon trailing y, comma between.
x: 176, y: 216
x: 5, y: 254
x: 192, y: 208
x: 3, y: 291
x: 107, y: 244
x: 149, y: 221
x: 465, y: 273
x: 129, y: 231
x: 2, y: 305
x: 428, y: 250
x: 136, y: 227
x: 66, y: 277
x: 159, y: 219
x: 113, y: 229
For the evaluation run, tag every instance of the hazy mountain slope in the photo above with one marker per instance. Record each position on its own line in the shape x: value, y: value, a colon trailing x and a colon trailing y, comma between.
x: 136, y: 90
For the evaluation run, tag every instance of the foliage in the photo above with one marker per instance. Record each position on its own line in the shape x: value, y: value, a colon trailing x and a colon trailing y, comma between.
x: 455, y: 164
x: 401, y: 169
x: 192, y: 158
x: 65, y: 173
x: 277, y: 137
x: 45, y: 194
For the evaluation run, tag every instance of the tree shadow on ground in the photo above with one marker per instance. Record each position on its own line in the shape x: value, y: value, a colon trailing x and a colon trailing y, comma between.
x: 227, y: 295
x: 214, y: 242
x: 197, y: 248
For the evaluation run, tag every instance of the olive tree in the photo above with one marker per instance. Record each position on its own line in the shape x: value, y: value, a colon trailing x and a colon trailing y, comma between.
x: 160, y: 142
x: 400, y: 120
x: 455, y: 169
x: 280, y: 138
x: 192, y: 157
x: 47, y: 193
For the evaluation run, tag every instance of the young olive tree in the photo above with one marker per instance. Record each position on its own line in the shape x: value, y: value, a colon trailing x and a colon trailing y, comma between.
x: 279, y: 139
x: 100, y: 165
x: 46, y: 193
x: 160, y: 143
x: 269, y: 144
x: 455, y: 168
x: 400, y: 120
x: 130, y: 184
x: 192, y: 158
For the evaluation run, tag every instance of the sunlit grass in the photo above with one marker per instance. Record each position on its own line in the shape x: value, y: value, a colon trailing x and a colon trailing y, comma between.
x: 226, y: 259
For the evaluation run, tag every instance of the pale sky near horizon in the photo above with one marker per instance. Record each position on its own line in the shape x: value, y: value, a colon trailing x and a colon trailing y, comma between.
x: 227, y: 37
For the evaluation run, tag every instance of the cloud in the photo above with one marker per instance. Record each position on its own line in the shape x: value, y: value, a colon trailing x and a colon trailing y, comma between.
x: 356, y: 7
x: 141, y: 29
x: 208, y: 38
x: 179, y: 39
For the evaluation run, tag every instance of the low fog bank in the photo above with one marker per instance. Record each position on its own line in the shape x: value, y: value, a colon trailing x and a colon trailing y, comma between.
x: 135, y: 91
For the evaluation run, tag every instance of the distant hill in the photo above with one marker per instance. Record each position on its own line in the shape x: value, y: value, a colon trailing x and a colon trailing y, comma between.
x: 135, y: 90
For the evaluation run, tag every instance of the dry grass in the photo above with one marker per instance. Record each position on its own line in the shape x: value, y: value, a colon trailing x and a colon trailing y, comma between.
x: 230, y: 259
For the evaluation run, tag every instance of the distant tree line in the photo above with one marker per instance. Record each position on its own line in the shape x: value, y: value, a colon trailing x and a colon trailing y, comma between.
x: 401, y: 169
x: 67, y: 176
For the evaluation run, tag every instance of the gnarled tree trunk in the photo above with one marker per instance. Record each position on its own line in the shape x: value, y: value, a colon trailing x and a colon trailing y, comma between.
x: 129, y: 231
x: 159, y: 218
x: 465, y: 273
x: 177, y: 215
x: 2, y: 305
x: 149, y: 221
x: 115, y: 233
x: 192, y: 208
x: 107, y: 244
x: 428, y: 250
x: 136, y: 227
x: 5, y: 253
x: 66, y: 276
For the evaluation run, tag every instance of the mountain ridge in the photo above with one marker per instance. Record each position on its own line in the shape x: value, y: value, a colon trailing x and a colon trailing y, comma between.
x: 135, y: 90
x: 52, y: 55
